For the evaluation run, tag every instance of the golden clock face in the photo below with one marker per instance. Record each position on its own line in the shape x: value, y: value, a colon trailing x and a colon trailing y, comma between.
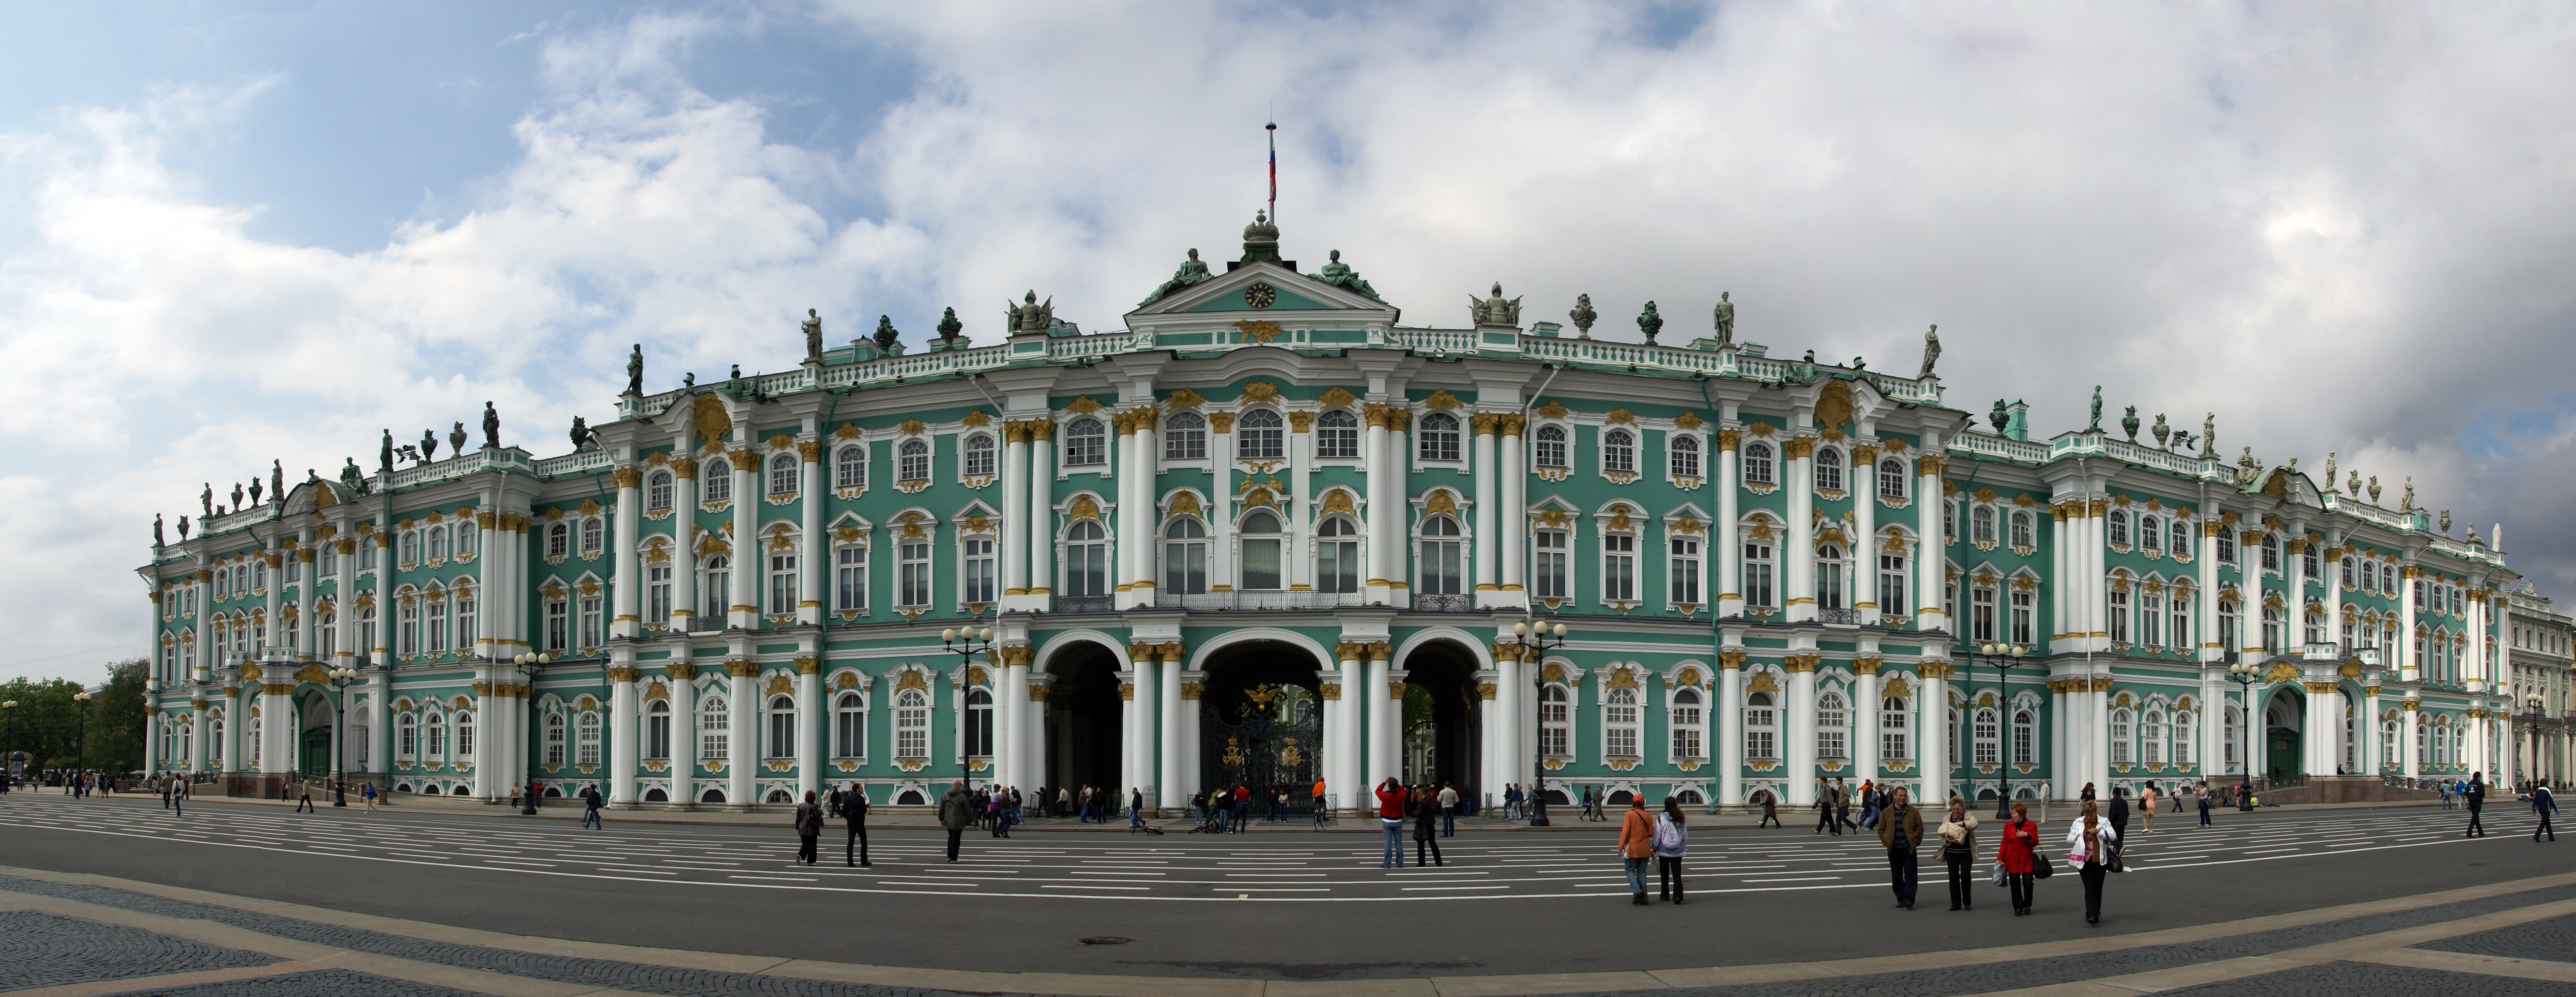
x: 1260, y: 295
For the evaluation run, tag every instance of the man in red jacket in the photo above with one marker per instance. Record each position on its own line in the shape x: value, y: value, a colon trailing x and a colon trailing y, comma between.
x: 1390, y: 822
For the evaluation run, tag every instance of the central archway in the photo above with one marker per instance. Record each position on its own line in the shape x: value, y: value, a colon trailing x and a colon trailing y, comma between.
x: 2284, y: 714
x: 1261, y: 725
x: 1442, y: 740
x: 1083, y: 719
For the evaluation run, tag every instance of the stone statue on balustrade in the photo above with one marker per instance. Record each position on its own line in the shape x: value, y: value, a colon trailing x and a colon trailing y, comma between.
x: 635, y: 371
x: 157, y: 538
x: 1723, y: 316
x: 813, y: 327
x: 2248, y: 470
x: 1030, y: 318
x: 1340, y: 274
x: 2095, y: 426
x: 1650, y: 322
x: 1931, y: 351
x: 1495, y: 310
x: 491, y: 427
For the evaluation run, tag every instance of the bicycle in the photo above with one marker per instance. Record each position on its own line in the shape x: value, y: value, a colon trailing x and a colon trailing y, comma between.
x: 1323, y: 816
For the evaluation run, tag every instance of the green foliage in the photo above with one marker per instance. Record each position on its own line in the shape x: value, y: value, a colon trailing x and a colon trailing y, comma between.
x: 47, y: 722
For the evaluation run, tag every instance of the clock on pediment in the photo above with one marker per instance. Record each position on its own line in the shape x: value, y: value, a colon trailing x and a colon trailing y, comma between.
x: 1260, y: 295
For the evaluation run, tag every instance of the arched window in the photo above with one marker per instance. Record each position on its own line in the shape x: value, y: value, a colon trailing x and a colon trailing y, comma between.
x: 2180, y: 536
x: 593, y: 535
x: 438, y: 543
x: 850, y: 466
x: 912, y: 724
x: 558, y: 541
x: 1619, y: 724
x: 2119, y: 528
x: 1442, y: 559
x: 657, y: 491
x: 434, y: 736
x: 912, y: 461
x: 1337, y: 434
x: 2151, y: 533
x: 2388, y: 743
x: 1894, y: 720
x: 1985, y: 732
x: 782, y: 473
x: 782, y: 727
x: 717, y: 485
x: 410, y: 549
x: 1833, y: 728
x: 464, y: 735
x: 2184, y: 730
x: 1684, y: 451
x: 979, y: 723
x: 1981, y: 525
x: 406, y: 736
x: 657, y: 729
x: 2180, y: 604
x: 2153, y: 736
x: 913, y: 572
x: 1259, y: 435
x: 2230, y: 735
x: 2024, y: 534
x: 1891, y: 478
x: 718, y: 586
x: 1260, y: 546
x: 1618, y: 452
x: 1829, y: 469
x: 1086, y: 560
x: 1184, y: 555
x: 1555, y: 721
x: 1757, y: 464
x: 1761, y: 728
x: 2271, y: 552
x: 437, y: 600
x: 554, y: 739
x: 1829, y: 576
x: 2120, y: 746
x: 2119, y: 609
x: 1337, y: 555
x: 1686, y: 723
x: 715, y: 729
x: 849, y: 726
x: 1085, y: 443
x: 1439, y: 437
x: 979, y: 455
x: 1185, y: 436
x: 2023, y: 728
x: 2312, y: 628
x: 1550, y: 447
x: 2272, y: 626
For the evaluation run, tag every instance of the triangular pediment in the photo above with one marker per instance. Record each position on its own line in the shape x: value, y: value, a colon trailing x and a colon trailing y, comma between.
x: 1258, y: 287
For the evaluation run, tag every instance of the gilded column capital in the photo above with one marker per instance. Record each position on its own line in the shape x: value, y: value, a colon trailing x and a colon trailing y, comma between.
x: 807, y: 664
x: 1140, y: 651
x: 1730, y: 659
x: 1127, y: 691
x: 1041, y: 430
x: 1935, y: 670
x: 2250, y: 538
x: 1801, y: 662
x: 1931, y: 464
x: 742, y: 669
x: 622, y: 674
x: 1512, y: 424
x: 1378, y: 650
x: 1482, y: 423
x: 2297, y: 546
x: 810, y: 451
x: 1300, y: 422
x: 1374, y: 414
x: 1015, y: 431
x: 1221, y: 422
x: 1018, y: 655
x: 1395, y: 691
x: 685, y: 468
x: 1863, y: 453
x: 1172, y: 653
x: 1191, y: 690
x: 626, y: 477
x: 1350, y: 651
x: 1729, y: 439
x: 1507, y: 651
x: 1397, y: 419
x: 1867, y: 666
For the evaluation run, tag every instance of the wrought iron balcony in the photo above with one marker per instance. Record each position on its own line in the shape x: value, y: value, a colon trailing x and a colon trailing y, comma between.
x: 1845, y: 616
x: 706, y: 624
x: 1076, y: 604
x: 1255, y: 600
x: 1461, y: 603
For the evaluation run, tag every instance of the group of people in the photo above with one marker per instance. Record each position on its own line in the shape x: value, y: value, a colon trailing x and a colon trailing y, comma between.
x: 1433, y: 812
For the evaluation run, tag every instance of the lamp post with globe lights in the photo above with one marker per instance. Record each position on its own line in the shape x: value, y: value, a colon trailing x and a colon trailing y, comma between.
x: 966, y: 644
x: 2245, y: 674
x: 2534, y: 707
x: 1535, y: 640
x: 531, y: 664
x: 80, y: 737
x: 2004, y: 657
x: 340, y: 678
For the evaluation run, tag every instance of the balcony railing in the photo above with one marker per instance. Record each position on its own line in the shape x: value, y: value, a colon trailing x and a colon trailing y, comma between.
x: 1444, y: 603
x: 1255, y: 600
x: 706, y: 624
x: 1082, y: 604
x: 1844, y: 616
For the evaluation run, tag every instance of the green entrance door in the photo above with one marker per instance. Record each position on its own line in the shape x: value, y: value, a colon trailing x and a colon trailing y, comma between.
x: 2281, y: 754
x: 315, y: 759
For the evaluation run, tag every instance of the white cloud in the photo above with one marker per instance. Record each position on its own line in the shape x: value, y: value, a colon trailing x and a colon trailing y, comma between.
x: 2339, y: 228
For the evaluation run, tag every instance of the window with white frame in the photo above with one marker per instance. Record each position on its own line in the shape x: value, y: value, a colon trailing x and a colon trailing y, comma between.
x: 1260, y: 435
x: 782, y: 582
x: 1337, y: 555
x: 850, y: 725
x: 1833, y: 730
x: 1687, y: 723
x: 554, y: 739
x: 2152, y: 735
x: 657, y: 593
x: 782, y: 475
x: 1086, y: 559
x: 979, y: 722
x: 1086, y: 443
x: 1894, y: 726
x: 1758, y: 464
x: 434, y: 736
x: 438, y: 543
x: 406, y: 735
x: 978, y: 569
x: 912, y: 724
x: 558, y: 621
x: 1684, y: 453
x: 850, y: 466
x: 586, y: 739
x: 657, y: 730
x: 558, y: 541
x: 1950, y: 521
x: 2185, y: 728
x: 782, y: 727
x: 1829, y: 469
x: 410, y: 550
x: 912, y: 461
x: 1891, y: 478
x: 1440, y: 560
x: 2271, y: 553
x: 2025, y: 616
x: 2119, y: 528
x: 2023, y: 726
x: 593, y: 621
x: 1549, y: 569
x: 2121, y: 721
x: 1891, y: 586
x: 1757, y: 588
x: 2151, y: 534
x: 1681, y: 570
x: 593, y: 535
x: 2119, y: 615
x: 913, y: 576
x: 1260, y: 543
x: 850, y: 577
x: 2388, y: 744
x: 1337, y: 435
x: 1185, y: 436
x: 717, y: 586
x: 2180, y: 617
x: 979, y: 458
x: 1619, y: 723
x: 715, y: 729
x: 1618, y: 567
x: 2272, y: 627
x: 1761, y: 728
x: 465, y: 735
x: 1438, y: 437
x: 1984, y: 731
x: 658, y: 492
x: 1981, y: 613
x: 437, y: 643
x: 2151, y: 614
x: 2025, y: 535
x: 1829, y: 576
x: 1556, y: 717
x: 2308, y: 567
x: 1981, y: 525
x: 1549, y: 448
x: 1619, y: 452
x: 718, y: 486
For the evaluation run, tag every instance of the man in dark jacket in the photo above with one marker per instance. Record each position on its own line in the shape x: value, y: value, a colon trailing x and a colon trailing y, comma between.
x: 2545, y: 805
x: 1901, y: 832
x: 2476, y: 796
x: 956, y: 814
x: 809, y: 826
x: 854, y: 808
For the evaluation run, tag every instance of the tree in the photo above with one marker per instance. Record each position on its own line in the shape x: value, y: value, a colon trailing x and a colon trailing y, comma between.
x: 117, y: 723
x: 44, y: 723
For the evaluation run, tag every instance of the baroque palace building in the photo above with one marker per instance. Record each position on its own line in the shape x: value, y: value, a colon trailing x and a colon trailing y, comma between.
x: 1230, y: 541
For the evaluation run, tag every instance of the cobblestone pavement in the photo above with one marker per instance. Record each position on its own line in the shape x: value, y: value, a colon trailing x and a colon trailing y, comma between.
x: 2553, y: 939
x: 45, y: 950
x: 25, y: 934
x: 2355, y: 978
x: 321, y: 983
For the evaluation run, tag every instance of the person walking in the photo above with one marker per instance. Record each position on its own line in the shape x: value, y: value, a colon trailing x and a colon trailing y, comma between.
x: 165, y: 793
x: 2476, y: 797
x: 1959, y: 853
x: 2091, y: 848
x: 590, y: 808
x: 1427, y: 814
x: 1448, y: 811
x: 1636, y: 845
x: 1842, y: 807
x: 2147, y: 808
x: 1770, y: 809
x: 1135, y: 809
x: 1825, y: 808
x: 1901, y: 833
x: 1243, y: 809
x: 179, y: 799
x: 2545, y: 805
x: 2019, y: 853
x: 809, y: 825
x: 1390, y: 823
x: 956, y: 811
x: 1869, y: 804
x: 1672, y: 841
x: 2119, y: 815
x: 854, y: 810
x: 304, y: 798
x: 2204, y: 806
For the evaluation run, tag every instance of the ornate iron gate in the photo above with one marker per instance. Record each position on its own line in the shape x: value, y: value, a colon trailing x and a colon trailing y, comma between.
x: 1269, y: 742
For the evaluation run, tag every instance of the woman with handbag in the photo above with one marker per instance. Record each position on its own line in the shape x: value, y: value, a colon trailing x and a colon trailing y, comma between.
x: 2093, y: 849
x: 1959, y: 853
x: 2020, y: 858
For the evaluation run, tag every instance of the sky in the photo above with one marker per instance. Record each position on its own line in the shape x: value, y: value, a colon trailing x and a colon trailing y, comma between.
x: 245, y: 232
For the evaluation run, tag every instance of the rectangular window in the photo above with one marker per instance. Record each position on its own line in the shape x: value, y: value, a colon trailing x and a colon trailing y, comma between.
x: 1891, y: 731
x: 1757, y: 575
x: 2119, y: 616
x: 1982, y: 605
x: 913, y: 582
x: 1619, y: 728
x: 657, y: 590
x: 592, y: 536
x: 850, y: 578
x: 2025, y: 618
x: 2226, y: 547
x: 782, y: 583
x: 979, y: 570
x: 1984, y: 733
x: 1619, y: 567
x: 468, y: 625
x: 2151, y: 613
x: 588, y: 739
x: 557, y: 625
x: 715, y: 732
x: 437, y: 627
x: 1548, y: 573
x: 593, y: 629
x: 1891, y: 587
x: 1682, y: 572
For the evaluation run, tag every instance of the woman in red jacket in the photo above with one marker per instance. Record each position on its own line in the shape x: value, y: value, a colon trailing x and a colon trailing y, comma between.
x: 2019, y: 854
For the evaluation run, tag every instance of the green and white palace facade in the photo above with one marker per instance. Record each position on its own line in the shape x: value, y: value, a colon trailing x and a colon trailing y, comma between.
x: 1230, y: 540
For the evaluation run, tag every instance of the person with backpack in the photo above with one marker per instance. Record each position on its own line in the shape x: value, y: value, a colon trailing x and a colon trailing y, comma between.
x: 1770, y: 809
x: 1672, y: 841
x: 2476, y: 797
x: 1426, y: 827
x: 809, y: 826
x: 1959, y: 854
x: 2545, y: 805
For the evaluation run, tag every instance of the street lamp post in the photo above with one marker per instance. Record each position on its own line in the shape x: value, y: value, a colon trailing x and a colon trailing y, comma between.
x: 9, y: 757
x: 340, y: 678
x: 2244, y: 674
x: 531, y: 664
x: 1535, y: 641
x: 2004, y: 657
x: 2533, y: 709
x: 966, y: 644
x: 80, y: 737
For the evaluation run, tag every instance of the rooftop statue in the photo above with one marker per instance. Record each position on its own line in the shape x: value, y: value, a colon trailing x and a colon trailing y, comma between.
x: 2164, y: 433
x: 1804, y: 370
x: 582, y: 434
x: 237, y: 495
x: 2129, y: 422
x: 2208, y: 433
x: 2096, y: 425
x: 2353, y: 484
x: 1340, y: 274
x: 1030, y: 319
x: 1724, y: 317
x: 2406, y: 502
x: 1494, y: 310
x: 2446, y: 522
x: 1649, y: 322
x: 949, y: 327
x: 429, y: 444
x: 157, y: 539
x: 351, y: 478
x: 1583, y: 316
x: 2374, y: 490
x: 1191, y: 272
x: 206, y: 499
x: 2248, y: 470
x: 277, y: 480
x: 2330, y: 470
x: 385, y: 453
x: 889, y: 342
x: 635, y: 371
x: 254, y: 491
x: 183, y: 529
x: 1999, y: 417
x: 813, y: 337
x: 1931, y: 351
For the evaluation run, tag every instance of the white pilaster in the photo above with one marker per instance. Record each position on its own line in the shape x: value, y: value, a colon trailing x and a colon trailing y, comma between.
x: 1172, y: 792
x: 742, y: 747
x: 1726, y: 728
x: 1798, y: 729
x: 1488, y: 576
x: 623, y: 712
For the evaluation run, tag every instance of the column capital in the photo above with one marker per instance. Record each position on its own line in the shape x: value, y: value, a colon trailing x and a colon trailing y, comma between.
x: 623, y: 674
x: 1350, y: 651
x: 1379, y: 650
x: 1730, y: 660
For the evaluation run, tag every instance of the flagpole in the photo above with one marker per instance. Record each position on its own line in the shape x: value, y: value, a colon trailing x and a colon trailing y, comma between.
x: 1273, y: 129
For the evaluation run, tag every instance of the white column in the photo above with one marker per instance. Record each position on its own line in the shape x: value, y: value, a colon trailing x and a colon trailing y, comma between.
x: 1864, y: 714
x: 278, y: 726
x: 237, y: 702
x: 684, y: 580
x: 1729, y: 601
x: 1798, y: 728
x: 624, y: 589
x: 1513, y: 541
x: 1015, y: 517
x: 1010, y: 711
x: 1396, y: 517
x: 810, y: 719
x: 1727, y: 727
x: 2413, y: 734
x: 684, y: 734
x: 1934, y: 706
x: 380, y: 724
x: 2061, y: 767
x: 1298, y: 574
x: 1864, y: 555
x: 742, y: 745
x: 2061, y: 580
x: 1488, y: 575
x: 1375, y: 554
x: 750, y: 555
x: 1930, y: 546
x: 1170, y: 786
x: 2374, y: 744
x: 1041, y: 517
x: 305, y: 600
x: 1384, y: 716
x: 1346, y: 764
x: 200, y: 734
x: 811, y: 566
x: 623, y: 716
x: 1510, y: 699
x: 1798, y: 552
x: 1135, y: 689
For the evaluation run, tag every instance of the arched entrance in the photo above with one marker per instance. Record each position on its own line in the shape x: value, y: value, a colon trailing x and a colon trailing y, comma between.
x: 1082, y: 718
x: 313, y: 738
x: 1261, y: 721
x: 2282, y: 716
x: 1442, y: 742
